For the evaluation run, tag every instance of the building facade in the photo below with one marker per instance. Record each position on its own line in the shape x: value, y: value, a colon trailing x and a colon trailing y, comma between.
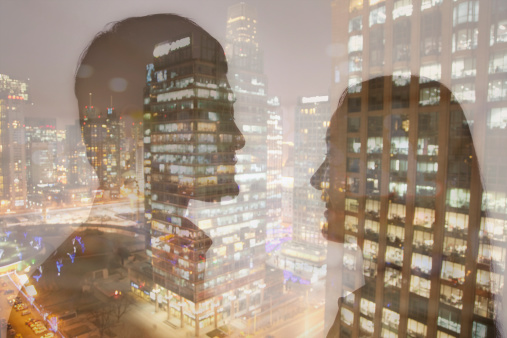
x: 190, y: 140
x: 462, y: 45
x: 13, y: 104
x: 103, y: 148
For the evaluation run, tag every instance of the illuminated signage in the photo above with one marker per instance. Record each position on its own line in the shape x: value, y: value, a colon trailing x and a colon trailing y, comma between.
x: 165, y: 48
x: 314, y: 99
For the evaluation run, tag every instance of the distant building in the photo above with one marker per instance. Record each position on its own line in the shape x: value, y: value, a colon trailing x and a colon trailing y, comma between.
x: 13, y: 182
x: 190, y: 140
x: 305, y: 254
x: 41, y: 159
x: 463, y: 45
x: 103, y: 148
x: 274, y: 227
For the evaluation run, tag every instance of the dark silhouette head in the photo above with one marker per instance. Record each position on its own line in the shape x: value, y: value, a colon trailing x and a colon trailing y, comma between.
x: 125, y: 68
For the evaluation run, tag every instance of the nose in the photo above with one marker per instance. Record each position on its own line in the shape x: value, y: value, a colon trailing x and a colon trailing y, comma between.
x: 319, y: 179
x: 239, y: 139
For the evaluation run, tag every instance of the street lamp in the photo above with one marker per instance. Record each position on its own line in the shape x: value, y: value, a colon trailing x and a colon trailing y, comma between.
x: 262, y: 287
x: 168, y: 298
x: 156, y: 291
x: 232, y: 298
x: 247, y: 293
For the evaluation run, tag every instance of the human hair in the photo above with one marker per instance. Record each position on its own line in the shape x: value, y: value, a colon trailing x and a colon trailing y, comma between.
x: 112, y: 69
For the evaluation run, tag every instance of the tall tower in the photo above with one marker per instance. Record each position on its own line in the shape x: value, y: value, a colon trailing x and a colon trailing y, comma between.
x: 41, y: 157
x: 242, y: 48
x: 190, y: 139
x: 305, y: 255
x: 463, y: 45
x: 13, y: 103
x: 103, y: 148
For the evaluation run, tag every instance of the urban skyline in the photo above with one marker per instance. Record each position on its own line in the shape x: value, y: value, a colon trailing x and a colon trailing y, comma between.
x: 429, y: 229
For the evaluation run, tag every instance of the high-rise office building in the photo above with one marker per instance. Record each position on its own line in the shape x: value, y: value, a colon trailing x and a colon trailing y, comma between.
x: 13, y: 103
x: 41, y: 156
x: 305, y: 254
x: 190, y: 140
x: 461, y: 44
x: 274, y: 229
x: 103, y: 148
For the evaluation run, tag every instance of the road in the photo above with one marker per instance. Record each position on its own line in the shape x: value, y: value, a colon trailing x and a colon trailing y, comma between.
x: 14, y: 317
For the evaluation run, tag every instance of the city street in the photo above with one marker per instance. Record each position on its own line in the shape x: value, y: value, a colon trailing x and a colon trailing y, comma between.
x: 15, y: 317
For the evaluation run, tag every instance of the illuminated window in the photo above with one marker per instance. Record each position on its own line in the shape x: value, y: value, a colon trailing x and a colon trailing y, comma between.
x: 371, y: 228
x: 355, y: 43
x: 494, y: 201
x: 396, y: 212
x: 466, y: 12
x: 426, y: 4
x: 353, y: 184
x: 370, y: 250
x: 451, y: 296
x: 351, y: 223
x: 349, y: 261
x: 366, y: 326
x: 391, y: 318
x: 430, y: 72
x: 423, y: 241
x: 420, y: 286
x: 454, y: 247
x: 421, y: 263
x: 374, y: 145
x: 399, y: 145
x: 402, y: 8
x: 394, y: 256
x: 479, y: 330
x: 378, y: 15
x: 465, y: 39
x: 498, y: 62
x: 492, y: 228
x: 416, y: 329
x: 393, y: 278
x: 498, y: 32
x: 347, y: 316
x: 374, y: 2
x: 397, y: 191
x: 401, y: 78
x: 350, y: 242
x: 441, y: 334
x: 355, y: 63
x: 484, y: 307
x: 367, y: 308
x: 464, y: 93
x: 355, y: 5
x: 351, y: 204
x: 399, y: 166
x: 449, y: 319
x: 465, y: 67
x: 354, y: 83
x: 431, y: 33
x: 356, y: 24
x: 453, y: 272
x: 429, y: 96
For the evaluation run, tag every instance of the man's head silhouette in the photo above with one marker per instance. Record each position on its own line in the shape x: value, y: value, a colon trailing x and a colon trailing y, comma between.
x: 191, y: 107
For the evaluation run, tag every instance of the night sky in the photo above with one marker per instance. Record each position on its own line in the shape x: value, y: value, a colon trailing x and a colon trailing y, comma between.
x: 43, y: 41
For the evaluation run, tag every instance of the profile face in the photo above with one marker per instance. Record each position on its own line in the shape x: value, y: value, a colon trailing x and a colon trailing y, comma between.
x: 217, y: 150
x: 329, y: 178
